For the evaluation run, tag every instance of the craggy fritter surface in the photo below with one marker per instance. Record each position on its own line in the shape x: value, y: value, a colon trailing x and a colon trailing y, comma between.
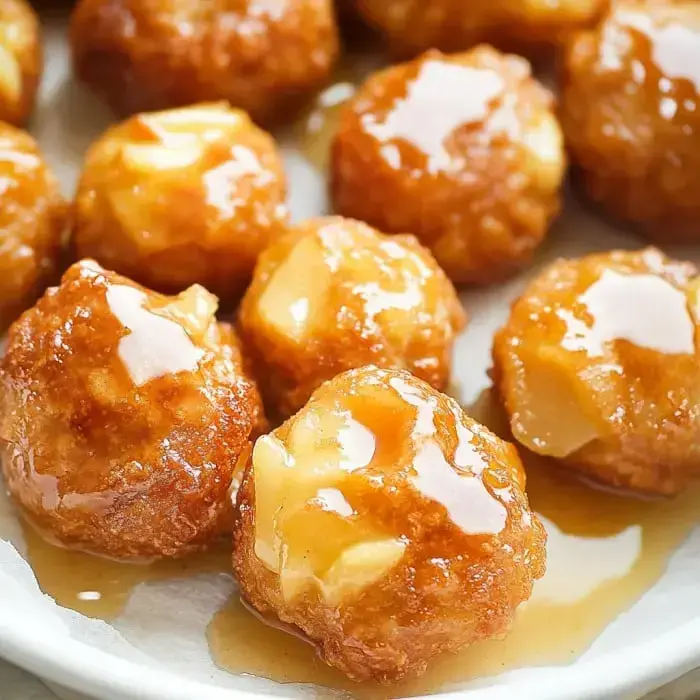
x: 20, y: 60
x: 412, y: 26
x: 631, y: 116
x: 386, y: 525
x: 598, y: 366
x: 182, y: 196
x: 33, y: 219
x: 124, y: 413
x: 463, y: 151
x: 335, y: 294
x: 263, y: 57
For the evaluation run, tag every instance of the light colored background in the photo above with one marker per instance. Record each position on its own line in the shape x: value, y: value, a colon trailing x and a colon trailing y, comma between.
x: 87, y: 117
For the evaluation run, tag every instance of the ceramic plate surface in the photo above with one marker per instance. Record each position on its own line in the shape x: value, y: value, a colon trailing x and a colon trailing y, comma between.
x: 157, y: 650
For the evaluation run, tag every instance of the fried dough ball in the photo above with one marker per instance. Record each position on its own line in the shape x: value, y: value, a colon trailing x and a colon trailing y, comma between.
x: 264, y: 57
x: 124, y: 414
x: 335, y: 294
x: 463, y: 151
x: 386, y: 525
x: 412, y: 26
x: 598, y: 366
x: 631, y: 116
x: 182, y: 196
x: 32, y: 223
x: 20, y: 60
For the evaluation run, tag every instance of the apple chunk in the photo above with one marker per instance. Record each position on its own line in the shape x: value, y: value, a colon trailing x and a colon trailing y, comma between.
x: 291, y: 301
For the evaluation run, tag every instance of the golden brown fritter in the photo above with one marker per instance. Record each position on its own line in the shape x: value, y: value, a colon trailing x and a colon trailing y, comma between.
x: 463, y: 151
x: 33, y: 220
x: 598, y: 366
x: 264, y: 57
x: 412, y: 26
x: 335, y: 294
x: 631, y: 116
x: 20, y: 60
x: 182, y: 196
x: 124, y: 413
x: 386, y: 525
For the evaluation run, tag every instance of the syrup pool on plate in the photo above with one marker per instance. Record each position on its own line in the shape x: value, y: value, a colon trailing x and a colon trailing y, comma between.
x: 604, y: 551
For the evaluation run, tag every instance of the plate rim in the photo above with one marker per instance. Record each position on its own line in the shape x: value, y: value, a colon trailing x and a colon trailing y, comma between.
x: 85, y: 669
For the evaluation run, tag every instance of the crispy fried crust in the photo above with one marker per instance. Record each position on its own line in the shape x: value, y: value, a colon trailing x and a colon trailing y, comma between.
x: 181, y: 197
x: 530, y: 26
x: 142, y: 55
x: 124, y: 414
x: 453, y: 583
x: 631, y: 116
x: 20, y: 60
x: 598, y: 366
x: 463, y: 151
x: 33, y: 219
x: 367, y: 298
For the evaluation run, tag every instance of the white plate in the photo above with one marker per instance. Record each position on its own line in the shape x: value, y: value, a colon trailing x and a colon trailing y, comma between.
x: 160, y: 653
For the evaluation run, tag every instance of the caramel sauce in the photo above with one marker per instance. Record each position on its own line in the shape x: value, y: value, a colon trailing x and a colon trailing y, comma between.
x: 671, y: 40
x: 100, y: 588
x: 440, y: 98
x: 155, y: 346
x: 613, y: 301
x: 406, y: 120
x: 658, y: 46
x: 604, y: 551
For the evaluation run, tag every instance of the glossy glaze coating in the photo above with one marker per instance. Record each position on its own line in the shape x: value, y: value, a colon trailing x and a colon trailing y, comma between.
x: 33, y: 219
x: 463, y: 151
x: 631, y: 116
x: 412, y: 26
x: 335, y: 294
x: 182, y: 196
x: 264, y: 56
x: 386, y: 525
x: 20, y: 60
x: 124, y: 415
x: 598, y: 366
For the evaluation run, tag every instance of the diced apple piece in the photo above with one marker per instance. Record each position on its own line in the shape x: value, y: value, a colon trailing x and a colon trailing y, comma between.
x: 156, y: 157
x: 359, y: 566
x: 194, y: 309
x: 296, y: 292
x: 195, y: 118
x: 294, y: 580
x: 10, y: 75
x: 544, y: 142
x: 271, y: 462
x: 329, y: 446
x: 301, y: 565
x: 552, y: 420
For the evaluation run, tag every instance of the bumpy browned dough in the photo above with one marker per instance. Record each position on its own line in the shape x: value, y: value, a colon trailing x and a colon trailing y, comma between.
x: 180, y: 197
x: 463, y: 151
x: 631, y: 116
x: 386, y: 525
x: 335, y: 294
x: 20, y: 60
x: 32, y: 223
x: 598, y: 367
x: 123, y: 416
x: 412, y: 26
x: 265, y: 58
